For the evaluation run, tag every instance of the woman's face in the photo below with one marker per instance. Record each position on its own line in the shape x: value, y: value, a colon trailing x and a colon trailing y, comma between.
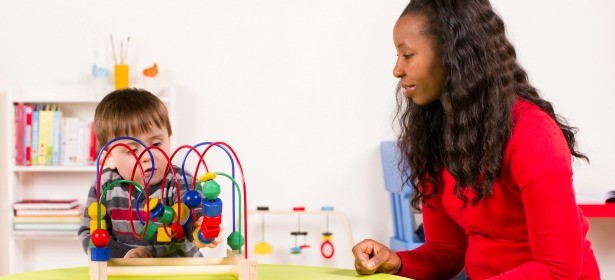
x: 418, y: 67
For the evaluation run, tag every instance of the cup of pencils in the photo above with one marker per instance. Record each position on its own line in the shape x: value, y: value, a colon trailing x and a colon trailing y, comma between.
x: 122, y: 70
x: 122, y: 76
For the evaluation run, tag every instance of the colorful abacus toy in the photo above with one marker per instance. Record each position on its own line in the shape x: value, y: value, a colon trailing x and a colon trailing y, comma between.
x: 167, y: 222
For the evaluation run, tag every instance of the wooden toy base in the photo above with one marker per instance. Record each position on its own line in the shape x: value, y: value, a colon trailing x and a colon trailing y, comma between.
x: 231, y: 265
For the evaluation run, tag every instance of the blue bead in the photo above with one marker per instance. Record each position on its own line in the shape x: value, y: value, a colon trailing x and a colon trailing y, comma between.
x: 100, y: 254
x: 157, y: 211
x: 212, y: 208
x: 192, y: 199
x: 203, y: 240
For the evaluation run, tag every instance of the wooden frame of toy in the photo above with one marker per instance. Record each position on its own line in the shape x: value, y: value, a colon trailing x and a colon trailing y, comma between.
x: 167, y: 222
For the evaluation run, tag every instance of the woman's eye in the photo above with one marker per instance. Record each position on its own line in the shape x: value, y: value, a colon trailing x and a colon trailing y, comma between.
x: 157, y: 144
x: 408, y: 55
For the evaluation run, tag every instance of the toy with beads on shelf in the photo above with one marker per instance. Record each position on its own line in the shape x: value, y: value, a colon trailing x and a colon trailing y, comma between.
x: 327, y: 248
x: 167, y: 222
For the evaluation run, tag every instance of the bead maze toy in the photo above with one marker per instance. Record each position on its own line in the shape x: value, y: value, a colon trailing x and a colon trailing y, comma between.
x: 327, y: 248
x: 166, y: 222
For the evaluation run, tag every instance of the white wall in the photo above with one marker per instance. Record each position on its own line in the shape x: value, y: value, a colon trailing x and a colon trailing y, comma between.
x: 303, y: 89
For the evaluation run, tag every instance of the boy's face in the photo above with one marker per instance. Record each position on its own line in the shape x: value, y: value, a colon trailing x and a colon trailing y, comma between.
x: 122, y: 160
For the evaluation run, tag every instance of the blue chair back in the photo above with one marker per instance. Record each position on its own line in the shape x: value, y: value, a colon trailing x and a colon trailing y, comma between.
x: 403, y: 220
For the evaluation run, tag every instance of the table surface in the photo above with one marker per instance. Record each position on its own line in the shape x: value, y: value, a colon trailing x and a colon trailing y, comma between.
x: 265, y: 272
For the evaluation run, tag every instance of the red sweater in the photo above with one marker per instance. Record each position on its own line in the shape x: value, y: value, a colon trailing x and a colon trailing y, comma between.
x: 530, y: 228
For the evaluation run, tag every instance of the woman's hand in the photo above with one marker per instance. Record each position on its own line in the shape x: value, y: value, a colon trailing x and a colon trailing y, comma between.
x: 371, y: 257
x: 138, y: 252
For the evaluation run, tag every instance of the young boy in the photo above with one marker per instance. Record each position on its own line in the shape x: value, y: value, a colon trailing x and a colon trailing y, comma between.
x: 139, y: 114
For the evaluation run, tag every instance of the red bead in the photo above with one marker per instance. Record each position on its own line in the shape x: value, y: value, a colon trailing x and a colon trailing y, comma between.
x: 210, y: 232
x: 298, y: 208
x: 100, y: 238
x: 212, y: 221
x: 178, y: 231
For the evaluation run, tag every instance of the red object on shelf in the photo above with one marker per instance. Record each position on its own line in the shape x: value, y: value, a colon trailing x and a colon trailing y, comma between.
x: 606, y: 210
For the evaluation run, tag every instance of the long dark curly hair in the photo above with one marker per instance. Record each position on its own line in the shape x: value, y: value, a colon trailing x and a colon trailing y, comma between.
x: 467, y: 129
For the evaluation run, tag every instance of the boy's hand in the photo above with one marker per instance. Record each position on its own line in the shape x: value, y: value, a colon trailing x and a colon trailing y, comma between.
x: 371, y: 256
x: 138, y: 252
x: 214, y: 243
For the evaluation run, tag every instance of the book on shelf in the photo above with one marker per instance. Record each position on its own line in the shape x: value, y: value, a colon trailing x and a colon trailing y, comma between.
x: 77, y: 210
x: 18, y: 133
x: 45, y: 204
x: 47, y: 219
x: 55, y: 146
x: 27, y: 135
x: 51, y: 226
x: 34, y: 147
x: 45, y: 135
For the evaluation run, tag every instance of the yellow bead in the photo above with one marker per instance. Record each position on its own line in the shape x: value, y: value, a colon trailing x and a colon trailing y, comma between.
x: 162, y: 235
x: 327, y: 237
x: 207, y: 176
x: 152, y: 204
x: 185, y: 211
x: 94, y: 225
x: 195, y: 236
x: 93, y: 210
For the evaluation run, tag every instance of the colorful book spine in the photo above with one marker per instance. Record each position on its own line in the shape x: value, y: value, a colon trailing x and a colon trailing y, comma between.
x: 27, y: 136
x: 55, y: 146
x: 93, y: 144
x: 35, y: 128
x: 43, y: 131
x: 69, y: 141
x: 18, y: 133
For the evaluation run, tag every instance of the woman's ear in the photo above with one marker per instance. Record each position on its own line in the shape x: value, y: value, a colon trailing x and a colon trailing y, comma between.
x: 110, y: 162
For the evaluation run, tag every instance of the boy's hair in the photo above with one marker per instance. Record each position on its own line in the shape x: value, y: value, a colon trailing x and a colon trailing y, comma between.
x: 127, y: 112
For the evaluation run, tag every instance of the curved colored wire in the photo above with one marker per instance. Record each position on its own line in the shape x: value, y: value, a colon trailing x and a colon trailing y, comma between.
x: 138, y: 163
x: 98, y: 169
x: 197, y: 169
x: 239, y: 203
x: 163, y: 195
x: 102, y: 196
x: 245, y: 194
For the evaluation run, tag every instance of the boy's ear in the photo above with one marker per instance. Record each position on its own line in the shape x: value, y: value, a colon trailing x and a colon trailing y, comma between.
x: 110, y: 162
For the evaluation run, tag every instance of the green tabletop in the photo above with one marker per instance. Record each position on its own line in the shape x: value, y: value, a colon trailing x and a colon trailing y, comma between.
x: 265, y: 272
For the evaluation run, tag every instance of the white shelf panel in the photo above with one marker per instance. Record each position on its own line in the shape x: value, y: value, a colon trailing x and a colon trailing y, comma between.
x: 55, y: 235
x: 73, y: 94
x: 55, y: 168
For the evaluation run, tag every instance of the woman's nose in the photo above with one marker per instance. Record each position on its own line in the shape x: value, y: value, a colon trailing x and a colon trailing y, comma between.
x: 397, y: 71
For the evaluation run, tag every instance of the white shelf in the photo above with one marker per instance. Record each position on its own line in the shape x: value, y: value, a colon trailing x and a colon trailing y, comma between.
x: 55, y: 168
x: 73, y: 94
x: 47, y: 235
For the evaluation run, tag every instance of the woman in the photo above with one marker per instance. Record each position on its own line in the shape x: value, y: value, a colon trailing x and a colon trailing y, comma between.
x: 490, y: 160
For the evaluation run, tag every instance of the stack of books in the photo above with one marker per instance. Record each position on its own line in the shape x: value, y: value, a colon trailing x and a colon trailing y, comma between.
x: 47, y: 215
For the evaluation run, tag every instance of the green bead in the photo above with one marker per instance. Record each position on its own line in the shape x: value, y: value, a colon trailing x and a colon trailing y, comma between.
x: 211, y: 189
x: 235, y: 240
x: 167, y: 215
x: 152, y: 229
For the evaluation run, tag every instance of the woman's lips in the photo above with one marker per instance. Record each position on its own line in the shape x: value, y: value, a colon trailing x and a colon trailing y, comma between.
x: 407, y: 91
